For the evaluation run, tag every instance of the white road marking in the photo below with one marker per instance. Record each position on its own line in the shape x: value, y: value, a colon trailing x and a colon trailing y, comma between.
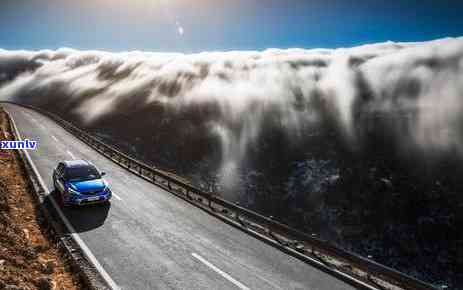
x: 70, y: 154
x: 54, y: 138
x: 116, y: 196
x: 73, y: 232
x: 35, y: 121
x: 222, y: 273
x: 28, y: 115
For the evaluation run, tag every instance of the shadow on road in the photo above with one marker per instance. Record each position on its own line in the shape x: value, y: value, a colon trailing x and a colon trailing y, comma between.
x: 82, y: 218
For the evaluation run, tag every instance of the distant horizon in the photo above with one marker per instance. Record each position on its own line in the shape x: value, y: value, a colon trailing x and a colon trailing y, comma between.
x: 154, y: 50
x: 228, y: 51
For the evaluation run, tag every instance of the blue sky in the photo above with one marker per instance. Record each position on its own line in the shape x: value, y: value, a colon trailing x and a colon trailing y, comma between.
x: 204, y: 25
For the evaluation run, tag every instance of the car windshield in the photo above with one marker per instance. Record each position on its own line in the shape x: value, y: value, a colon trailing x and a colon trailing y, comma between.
x: 82, y: 173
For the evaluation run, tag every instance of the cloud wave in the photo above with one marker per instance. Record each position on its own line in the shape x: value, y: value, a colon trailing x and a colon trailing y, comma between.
x: 419, y: 86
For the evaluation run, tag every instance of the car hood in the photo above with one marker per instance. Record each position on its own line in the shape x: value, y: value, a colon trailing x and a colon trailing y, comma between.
x: 88, y: 185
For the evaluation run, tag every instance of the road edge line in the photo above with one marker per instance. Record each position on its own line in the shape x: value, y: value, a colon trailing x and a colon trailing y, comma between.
x: 72, y: 232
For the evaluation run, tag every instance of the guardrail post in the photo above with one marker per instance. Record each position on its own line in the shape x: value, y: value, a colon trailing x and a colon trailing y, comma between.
x: 311, y: 244
x: 168, y: 185
x: 268, y: 227
x: 154, y: 177
x: 368, y: 273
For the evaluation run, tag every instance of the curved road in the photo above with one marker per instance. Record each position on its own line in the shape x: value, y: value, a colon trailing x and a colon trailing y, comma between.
x: 149, y: 239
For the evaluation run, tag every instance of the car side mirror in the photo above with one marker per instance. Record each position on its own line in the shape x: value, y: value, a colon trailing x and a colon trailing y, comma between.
x: 103, y: 173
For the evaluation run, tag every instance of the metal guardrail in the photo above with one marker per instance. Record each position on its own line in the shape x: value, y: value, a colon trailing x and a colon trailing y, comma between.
x: 159, y: 177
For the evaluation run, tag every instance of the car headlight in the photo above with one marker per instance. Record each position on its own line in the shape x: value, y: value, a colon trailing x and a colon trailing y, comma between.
x: 72, y: 191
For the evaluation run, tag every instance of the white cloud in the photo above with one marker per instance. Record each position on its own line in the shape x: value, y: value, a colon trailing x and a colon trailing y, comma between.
x: 424, y: 80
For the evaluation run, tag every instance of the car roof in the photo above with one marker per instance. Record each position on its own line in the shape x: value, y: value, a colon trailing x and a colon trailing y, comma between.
x: 76, y: 163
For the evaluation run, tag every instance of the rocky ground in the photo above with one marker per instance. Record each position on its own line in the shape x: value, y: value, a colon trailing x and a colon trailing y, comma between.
x: 29, y: 257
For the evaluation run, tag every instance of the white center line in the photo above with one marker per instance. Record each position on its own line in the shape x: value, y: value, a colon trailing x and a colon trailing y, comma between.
x: 70, y: 154
x: 116, y: 196
x: 54, y: 138
x: 222, y: 273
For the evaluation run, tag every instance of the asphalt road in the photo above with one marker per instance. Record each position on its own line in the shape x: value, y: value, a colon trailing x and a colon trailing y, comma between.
x: 149, y: 239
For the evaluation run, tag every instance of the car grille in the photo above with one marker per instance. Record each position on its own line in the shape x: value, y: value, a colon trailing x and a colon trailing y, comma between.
x: 94, y: 192
x: 91, y: 201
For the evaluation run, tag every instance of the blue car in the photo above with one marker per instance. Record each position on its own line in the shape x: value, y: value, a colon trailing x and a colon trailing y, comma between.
x: 78, y: 182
